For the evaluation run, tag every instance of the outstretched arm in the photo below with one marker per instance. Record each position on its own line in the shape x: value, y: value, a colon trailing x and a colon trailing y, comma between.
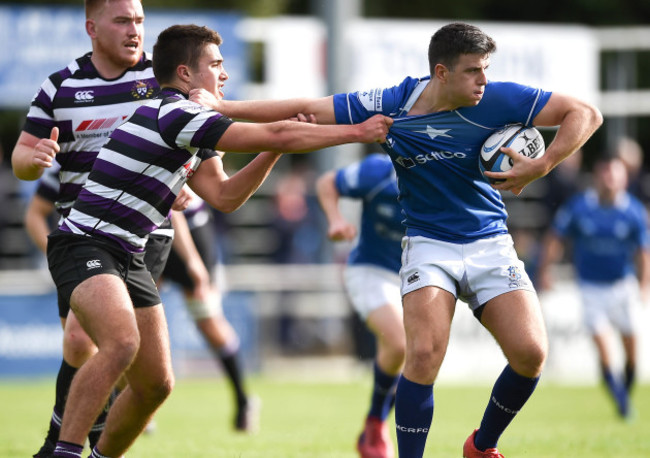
x: 299, y: 137
x: 268, y: 110
x: 328, y: 197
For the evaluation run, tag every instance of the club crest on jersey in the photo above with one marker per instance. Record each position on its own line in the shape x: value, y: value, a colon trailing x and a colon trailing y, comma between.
x: 514, y: 277
x: 142, y: 90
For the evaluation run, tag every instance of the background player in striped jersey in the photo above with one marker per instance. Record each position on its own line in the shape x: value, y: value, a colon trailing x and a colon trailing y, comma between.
x: 203, y: 302
x: 96, y: 254
x: 372, y: 278
x: 72, y: 114
x: 607, y: 229
x: 457, y: 244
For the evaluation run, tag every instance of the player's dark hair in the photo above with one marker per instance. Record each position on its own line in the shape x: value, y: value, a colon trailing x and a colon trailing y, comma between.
x: 180, y: 45
x: 456, y: 39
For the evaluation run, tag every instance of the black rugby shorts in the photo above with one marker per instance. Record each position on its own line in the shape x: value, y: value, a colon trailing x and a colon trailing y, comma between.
x: 73, y: 259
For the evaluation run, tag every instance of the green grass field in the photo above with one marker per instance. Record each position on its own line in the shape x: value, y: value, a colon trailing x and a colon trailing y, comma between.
x: 309, y: 419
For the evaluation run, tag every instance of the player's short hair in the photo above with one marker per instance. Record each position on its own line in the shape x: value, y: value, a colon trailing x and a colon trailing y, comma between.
x: 92, y: 6
x: 180, y: 45
x: 456, y: 39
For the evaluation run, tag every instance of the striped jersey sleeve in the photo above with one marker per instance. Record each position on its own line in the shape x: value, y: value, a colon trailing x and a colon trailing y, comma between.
x: 141, y: 169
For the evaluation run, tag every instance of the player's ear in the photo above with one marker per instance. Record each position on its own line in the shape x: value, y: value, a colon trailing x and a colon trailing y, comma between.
x: 440, y: 72
x: 90, y: 28
x: 183, y: 73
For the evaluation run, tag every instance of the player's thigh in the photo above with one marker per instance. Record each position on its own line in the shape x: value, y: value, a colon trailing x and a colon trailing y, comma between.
x: 516, y: 322
x: 428, y: 313
x: 103, y: 307
x: 152, y: 368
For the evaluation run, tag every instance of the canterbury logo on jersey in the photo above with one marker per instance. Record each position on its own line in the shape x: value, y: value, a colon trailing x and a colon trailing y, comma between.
x: 84, y: 96
x: 99, y: 124
x: 93, y: 264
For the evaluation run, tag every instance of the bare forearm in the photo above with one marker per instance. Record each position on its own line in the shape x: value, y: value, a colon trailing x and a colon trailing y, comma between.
x: 232, y: 192
x: 38, y: 230
x: 268, y: 110
x: 576, y: 126
x: 183, y: 243
x: 299, y: 137
x: 328, y: 197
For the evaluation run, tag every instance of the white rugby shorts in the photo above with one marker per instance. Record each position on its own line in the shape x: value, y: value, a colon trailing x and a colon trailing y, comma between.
x: 613, y: 303
x: 473, y: 272
x: 370, y: 287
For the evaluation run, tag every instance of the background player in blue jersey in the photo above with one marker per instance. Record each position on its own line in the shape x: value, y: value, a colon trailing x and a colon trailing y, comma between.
x: 607, y: 229
x: 457, y: 244
x: 372, y: 278
x: 96, y: 255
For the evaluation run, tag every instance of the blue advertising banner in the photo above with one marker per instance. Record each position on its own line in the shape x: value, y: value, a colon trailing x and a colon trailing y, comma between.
x: 31, y: 336
x: 37, y: 41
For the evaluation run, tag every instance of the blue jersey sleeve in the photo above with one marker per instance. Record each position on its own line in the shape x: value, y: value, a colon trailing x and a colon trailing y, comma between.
x: 361, y: 178
x: 563, y: 218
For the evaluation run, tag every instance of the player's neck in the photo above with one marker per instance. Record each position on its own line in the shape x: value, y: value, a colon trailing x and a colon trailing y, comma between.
x: 608, y: 198
x: 107, y: 68
x: 431, y: 101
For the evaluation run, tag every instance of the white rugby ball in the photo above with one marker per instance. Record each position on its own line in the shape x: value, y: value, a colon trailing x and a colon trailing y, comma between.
x: 525, y: 140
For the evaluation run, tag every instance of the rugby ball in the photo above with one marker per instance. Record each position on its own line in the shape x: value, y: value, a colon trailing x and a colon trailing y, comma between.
x: 525, y: 140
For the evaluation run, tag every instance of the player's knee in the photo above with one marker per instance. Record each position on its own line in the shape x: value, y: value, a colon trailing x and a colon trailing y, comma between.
x: 530, y: 361
x: 424, y: 355
x: 396, y: 352
x: 122, y: 349
x: 157, y: 390
x: 77, y: 348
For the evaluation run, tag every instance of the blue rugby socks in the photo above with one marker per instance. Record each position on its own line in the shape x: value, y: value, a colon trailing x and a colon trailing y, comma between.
x: 618, y: 391
x: 413, y: 415
x: 509, y: 394
x: 383, y: 393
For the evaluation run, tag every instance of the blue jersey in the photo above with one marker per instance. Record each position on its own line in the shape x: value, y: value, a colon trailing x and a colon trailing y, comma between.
x: 441, y: 189
x: 605, y: 238
x: 373, y: 180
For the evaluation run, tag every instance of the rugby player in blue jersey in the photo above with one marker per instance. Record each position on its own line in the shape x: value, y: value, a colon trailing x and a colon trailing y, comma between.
x: 607, y: 229
x: 372, y: 278
x: 96, y: 255
x: 457, y: 244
